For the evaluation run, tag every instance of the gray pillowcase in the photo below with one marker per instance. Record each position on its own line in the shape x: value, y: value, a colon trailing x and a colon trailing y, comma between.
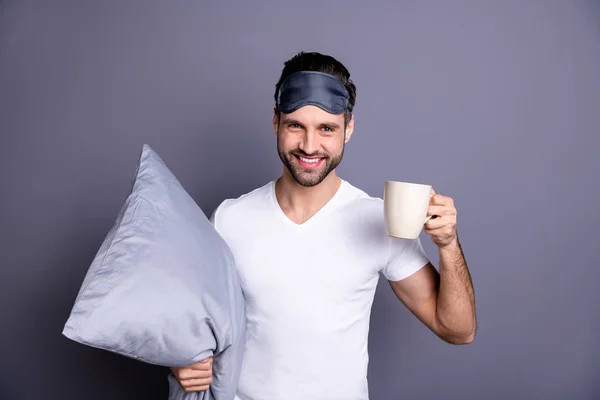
x: 163, y: 287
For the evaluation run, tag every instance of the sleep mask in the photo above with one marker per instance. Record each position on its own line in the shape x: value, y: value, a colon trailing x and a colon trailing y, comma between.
x: 312, y: 88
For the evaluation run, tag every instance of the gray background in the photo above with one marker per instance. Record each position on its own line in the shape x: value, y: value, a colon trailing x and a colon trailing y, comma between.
x: 496, y: 104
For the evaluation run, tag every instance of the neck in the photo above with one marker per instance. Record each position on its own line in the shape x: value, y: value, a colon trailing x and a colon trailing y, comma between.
x: 300, y: 203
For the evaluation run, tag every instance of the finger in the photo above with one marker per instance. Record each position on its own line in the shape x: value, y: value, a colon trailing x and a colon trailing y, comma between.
x: 439, y: 200
x: 202, y: 365
x: 437, y: 231
x: 440, y: 211
x: 196, y: 382
x: 194, y: 374
x: 445, y: 223
x: 436, y: 223
x: 432, y: 191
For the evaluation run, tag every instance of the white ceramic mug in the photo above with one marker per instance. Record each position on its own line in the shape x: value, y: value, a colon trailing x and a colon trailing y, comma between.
x: 405, y: 208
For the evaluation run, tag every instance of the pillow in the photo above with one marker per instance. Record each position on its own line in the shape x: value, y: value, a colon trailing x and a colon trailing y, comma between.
x: 163, y: 287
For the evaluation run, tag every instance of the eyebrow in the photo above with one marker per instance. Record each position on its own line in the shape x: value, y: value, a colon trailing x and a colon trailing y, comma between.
x: 328, y: 124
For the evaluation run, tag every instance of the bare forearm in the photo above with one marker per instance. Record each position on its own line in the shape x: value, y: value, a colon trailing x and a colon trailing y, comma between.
x: 455, y: 311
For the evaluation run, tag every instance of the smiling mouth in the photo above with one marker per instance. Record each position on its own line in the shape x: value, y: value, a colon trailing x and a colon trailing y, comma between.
x: 309, y: 162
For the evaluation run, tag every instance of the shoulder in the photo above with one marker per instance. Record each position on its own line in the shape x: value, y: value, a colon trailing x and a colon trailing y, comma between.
x: 362, y: 214
x: 358, y: 200
x: 241, y: 206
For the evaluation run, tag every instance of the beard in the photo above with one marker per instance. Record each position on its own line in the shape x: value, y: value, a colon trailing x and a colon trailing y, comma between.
x: 309, y: 177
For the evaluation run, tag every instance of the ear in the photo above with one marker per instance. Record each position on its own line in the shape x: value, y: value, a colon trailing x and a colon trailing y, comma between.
x: 275, y: 121
x: 349, y: 129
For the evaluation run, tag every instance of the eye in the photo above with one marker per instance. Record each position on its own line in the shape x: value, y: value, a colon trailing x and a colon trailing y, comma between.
x: 328, y: 129
x: 293, y: 126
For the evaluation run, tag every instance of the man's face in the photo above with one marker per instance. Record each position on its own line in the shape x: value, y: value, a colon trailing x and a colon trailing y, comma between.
x: 310, y: 143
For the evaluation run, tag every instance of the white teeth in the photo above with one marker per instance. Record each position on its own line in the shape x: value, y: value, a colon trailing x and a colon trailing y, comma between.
x: 310, y: 160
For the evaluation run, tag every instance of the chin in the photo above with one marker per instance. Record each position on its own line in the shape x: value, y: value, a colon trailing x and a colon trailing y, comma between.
x: 309, y: 180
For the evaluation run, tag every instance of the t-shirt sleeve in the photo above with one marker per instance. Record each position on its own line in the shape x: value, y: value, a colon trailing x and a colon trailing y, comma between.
x: 405, y: 257
x: 215, y: 217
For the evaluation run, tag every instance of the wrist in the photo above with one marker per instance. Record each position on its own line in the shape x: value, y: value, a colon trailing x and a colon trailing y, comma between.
x: 451, y: 247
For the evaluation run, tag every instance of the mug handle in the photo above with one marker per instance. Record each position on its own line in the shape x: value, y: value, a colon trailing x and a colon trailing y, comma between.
x: 429, y: 216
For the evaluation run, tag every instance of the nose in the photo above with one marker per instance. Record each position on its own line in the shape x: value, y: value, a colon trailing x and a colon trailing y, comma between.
x: 309, y: 142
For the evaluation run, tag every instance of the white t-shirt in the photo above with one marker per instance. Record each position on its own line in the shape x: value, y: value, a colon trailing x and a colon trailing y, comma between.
x: 309, y: 289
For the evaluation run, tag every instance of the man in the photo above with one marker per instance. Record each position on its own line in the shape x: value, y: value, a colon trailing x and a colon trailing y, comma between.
x: 310, y: 246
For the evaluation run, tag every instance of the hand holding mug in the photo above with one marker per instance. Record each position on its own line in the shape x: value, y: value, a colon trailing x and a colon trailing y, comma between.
x: 410, y: 207
x: 442, y: 224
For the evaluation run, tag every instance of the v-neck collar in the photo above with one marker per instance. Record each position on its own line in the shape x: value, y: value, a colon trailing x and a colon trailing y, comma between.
x: 319, y: 212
